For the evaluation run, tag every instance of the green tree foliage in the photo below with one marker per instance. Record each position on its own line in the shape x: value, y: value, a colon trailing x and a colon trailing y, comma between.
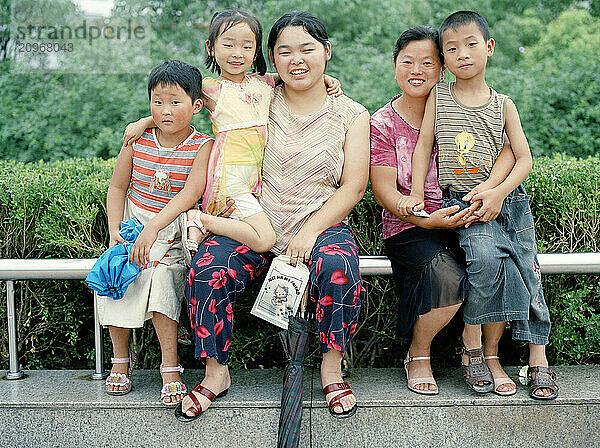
x: 546, y: 59
x: 556, y: 85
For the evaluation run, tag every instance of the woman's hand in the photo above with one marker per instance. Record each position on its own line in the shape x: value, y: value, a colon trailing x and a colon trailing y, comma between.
x: 405, y: 204
x: 448, y: 218
x: 301, y: 247
x: 133, y: 131
x: 140, y: 252
x: 333, y: 86
x: 114, y: 237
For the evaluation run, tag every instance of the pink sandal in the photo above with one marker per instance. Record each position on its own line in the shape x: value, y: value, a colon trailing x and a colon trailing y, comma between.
x: 190, y: 247
x: 172, y: 389
x: 120, y: 379
x: 412, y: 382
x: 501, y: 381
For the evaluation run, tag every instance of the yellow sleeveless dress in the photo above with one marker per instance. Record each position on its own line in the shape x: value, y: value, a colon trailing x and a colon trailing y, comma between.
x: 239, y: 122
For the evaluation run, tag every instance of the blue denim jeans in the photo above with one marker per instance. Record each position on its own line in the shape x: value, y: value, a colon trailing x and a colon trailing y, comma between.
x: 503, y: 272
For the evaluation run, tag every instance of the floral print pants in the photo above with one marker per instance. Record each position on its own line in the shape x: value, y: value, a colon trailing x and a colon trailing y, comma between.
x: 223, y: 268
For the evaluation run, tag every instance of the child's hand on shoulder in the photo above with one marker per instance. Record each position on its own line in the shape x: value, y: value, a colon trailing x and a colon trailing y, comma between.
x: 333, y: 85
x: 133, y: 131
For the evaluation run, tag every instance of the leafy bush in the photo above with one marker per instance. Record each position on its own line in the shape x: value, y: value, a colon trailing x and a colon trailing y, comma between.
x: 56, y: 210
x: 52, y: 210
x: 566, y: 203
x: 559, y: 106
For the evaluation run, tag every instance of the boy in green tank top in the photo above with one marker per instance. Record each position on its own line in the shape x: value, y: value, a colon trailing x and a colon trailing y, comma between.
x: 469, y: 120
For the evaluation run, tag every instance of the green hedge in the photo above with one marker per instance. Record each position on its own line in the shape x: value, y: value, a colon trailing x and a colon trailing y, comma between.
x: 56, y: 210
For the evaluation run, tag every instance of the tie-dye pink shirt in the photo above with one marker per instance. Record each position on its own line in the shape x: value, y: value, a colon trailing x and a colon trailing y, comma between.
x: 393, y: 142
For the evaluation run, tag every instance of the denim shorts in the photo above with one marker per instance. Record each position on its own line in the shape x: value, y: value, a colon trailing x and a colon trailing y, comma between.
x: 503, y: 272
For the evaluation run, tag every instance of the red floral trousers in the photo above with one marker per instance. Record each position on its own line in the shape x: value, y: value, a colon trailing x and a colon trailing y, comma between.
x: 223, y: 268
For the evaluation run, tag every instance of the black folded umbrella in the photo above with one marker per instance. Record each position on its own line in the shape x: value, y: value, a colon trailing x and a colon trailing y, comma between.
x: 295, y: 346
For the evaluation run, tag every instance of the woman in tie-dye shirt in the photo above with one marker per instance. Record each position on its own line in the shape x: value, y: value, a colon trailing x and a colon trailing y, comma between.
x: 422, y: 250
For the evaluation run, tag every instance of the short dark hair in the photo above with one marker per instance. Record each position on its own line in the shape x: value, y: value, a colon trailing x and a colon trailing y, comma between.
x: 461, y: 18
x: 311, y: 24
x: 417, y: 33
x: 224, y: 20
x: 172, y: 72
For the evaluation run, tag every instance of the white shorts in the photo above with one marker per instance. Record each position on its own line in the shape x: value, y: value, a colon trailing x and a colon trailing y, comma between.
x: 246, y: 205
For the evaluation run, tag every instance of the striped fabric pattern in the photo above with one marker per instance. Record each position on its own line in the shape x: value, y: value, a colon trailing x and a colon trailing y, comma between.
x: 469, y: 138
x: 149, y: 157
x: 303, y: 162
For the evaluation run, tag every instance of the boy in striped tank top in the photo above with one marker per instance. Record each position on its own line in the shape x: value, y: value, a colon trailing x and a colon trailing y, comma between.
x: 468, y: 119
x: 151, y: 176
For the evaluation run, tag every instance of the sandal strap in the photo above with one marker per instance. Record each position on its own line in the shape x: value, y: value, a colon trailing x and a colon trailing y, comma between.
x: 410, y: 359
x: 171, y: 369
x: 544, y: 378
x: 542, y: 369
x: 335, y: 401
x: 502, y: 381
x: 204, y: 391
x: 119, y: 360
x: 477, y: 370
x: 196, y: 222
x: 197, y: 409
x: 335, y: 386
x: 473, y: 353
x: 426, y: 380
x: 174, y: 388
x: 117, y: 379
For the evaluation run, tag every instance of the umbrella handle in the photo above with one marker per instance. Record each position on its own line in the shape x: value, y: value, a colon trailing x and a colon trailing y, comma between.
x: 304, y: 300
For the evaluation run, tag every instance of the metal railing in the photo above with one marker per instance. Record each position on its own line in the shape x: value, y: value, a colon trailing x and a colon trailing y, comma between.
x: 77, y: 269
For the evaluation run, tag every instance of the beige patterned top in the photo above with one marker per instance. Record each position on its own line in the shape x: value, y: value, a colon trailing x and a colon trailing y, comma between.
x: 303, y: 162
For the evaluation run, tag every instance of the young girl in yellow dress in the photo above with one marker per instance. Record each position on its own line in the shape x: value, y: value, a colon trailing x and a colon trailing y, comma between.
x: 238, y: 103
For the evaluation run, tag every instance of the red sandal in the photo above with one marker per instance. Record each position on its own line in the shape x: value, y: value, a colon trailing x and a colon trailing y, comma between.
x: 335, y: 401
x: 197, y: 409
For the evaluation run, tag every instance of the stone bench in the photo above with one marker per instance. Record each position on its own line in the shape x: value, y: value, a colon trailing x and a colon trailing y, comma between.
x: 65, y: 408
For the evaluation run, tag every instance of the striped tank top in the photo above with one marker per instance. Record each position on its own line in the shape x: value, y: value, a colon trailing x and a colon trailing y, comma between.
x: 303, y: 162
x: 469, y: 138
x: 160, y: 173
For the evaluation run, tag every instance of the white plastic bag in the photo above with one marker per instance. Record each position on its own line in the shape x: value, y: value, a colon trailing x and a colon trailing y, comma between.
x: 281, y: 292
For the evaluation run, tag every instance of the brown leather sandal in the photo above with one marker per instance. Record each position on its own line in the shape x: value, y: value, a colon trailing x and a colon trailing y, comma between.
x: 197, y: 409
x: 545, y: 378
x: 335, y: 401
x: 477, y: 370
